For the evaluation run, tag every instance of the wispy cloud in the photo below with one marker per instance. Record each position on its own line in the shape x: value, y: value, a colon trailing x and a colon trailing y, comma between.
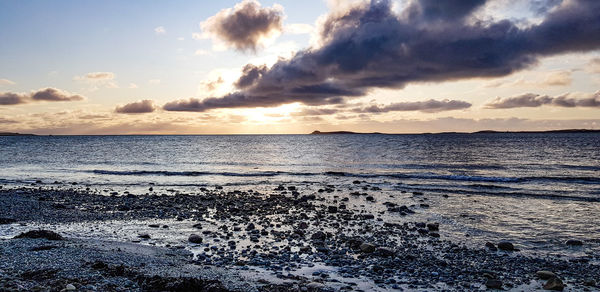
x: 97, y: 80
x: 593, y: 66
x: 6, y: 82
x: 428, y: 106
x: 554, y: 78
x: 160, y: 30
x: 537, y: 100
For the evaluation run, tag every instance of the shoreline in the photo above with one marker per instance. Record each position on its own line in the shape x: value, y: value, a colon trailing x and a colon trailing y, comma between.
x: 277, y: 234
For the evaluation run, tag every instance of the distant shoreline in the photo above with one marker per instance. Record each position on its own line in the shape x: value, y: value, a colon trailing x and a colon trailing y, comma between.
x: 477, y: 132
x: 15, y: 134
x: 326, y: 133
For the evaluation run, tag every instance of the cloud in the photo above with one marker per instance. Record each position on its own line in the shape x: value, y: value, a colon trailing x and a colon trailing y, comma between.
x: 98, y: 79
x: 558, y: 78
x: 138, y: 107
x: 555, y: 78
x: 593, y: 66
x: 45, y: 94
x: 245, y: 26
x: 6, y: 82
x: 99, y: 76
x: 213, y: 85
x: 154, y: 81
x: 537, y: 100
x: 9, y: 98
x: 369, y: 46
x: 53, y: 94
x: 316, y: 112
x: 7, y: 121
x: 428, y: 106
x: 160, y: 30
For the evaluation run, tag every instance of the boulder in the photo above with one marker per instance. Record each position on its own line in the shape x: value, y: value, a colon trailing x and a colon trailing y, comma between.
x: 433, y: 226
x: 574, y: 242
x: 554, y: 284
x: 47, y: 234
x: 506, y: 246
x: 493, y: 284
x: 385, y: 251
x: 545, y: 275
x: 319, y: 235
x: 367, y: 247
x: 195, y: 238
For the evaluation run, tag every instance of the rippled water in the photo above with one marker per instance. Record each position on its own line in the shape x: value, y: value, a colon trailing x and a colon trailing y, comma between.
x: 537, y: 189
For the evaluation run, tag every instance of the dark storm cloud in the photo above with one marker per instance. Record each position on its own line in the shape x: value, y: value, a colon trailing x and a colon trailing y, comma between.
x: 428, y: 106
x: 370, y: 46
x: 138, y: 107
x: 542, y: 6
x: 441, y: 10
x: 537, y: 100
x: 250, y: 73
x: 243, y: 26
x: 46, y: 94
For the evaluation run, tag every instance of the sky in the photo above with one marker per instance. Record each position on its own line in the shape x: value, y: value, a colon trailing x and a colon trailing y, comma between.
x: 291, y: 67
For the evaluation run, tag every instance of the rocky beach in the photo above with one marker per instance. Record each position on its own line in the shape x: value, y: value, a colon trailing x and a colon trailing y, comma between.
x: 295, y: 237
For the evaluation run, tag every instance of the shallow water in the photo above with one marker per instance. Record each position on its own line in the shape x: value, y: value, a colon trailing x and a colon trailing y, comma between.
x: 535, y: 189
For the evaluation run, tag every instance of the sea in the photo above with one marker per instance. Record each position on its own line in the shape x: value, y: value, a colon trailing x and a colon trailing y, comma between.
x: 535, y: 189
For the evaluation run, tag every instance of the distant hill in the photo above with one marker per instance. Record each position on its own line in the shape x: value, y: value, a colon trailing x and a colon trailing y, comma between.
x: 338, y: 133
x: 14, y: 134
x: 478, y: 132
x: 550, y: 131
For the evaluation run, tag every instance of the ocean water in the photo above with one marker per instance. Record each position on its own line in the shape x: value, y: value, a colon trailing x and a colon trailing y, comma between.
x: 536, y: 189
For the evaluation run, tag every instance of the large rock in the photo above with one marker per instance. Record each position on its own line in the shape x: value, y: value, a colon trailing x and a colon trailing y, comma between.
x: 367, y: 247
x: 319, y: 235
x: 493, y: 284
x: 554, y: 284
x: 433, y: 226
x: 144, y: 236
x: 7, y: 221
x: 385, y: 251
x: 195, y: 238
x: 574, y: 242
x: 545, y: 275
x: 47, y: 234
x: 506, y: 245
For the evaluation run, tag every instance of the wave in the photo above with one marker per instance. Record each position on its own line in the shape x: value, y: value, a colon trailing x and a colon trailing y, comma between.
x: 417, y: 176
x: 183, y: 173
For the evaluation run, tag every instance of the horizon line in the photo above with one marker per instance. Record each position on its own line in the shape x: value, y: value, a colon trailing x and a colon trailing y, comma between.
x: 317, y: 133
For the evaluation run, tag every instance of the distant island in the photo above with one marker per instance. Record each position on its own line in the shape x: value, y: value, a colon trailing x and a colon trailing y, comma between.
x: 14, y: 134
x: 478, y: 132
x: 340, y: 132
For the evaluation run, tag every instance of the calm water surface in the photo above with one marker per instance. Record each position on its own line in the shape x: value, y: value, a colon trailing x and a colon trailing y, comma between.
x: 536, y: 189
